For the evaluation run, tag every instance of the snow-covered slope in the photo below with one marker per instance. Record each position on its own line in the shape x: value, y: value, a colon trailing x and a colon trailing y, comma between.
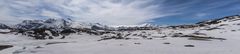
x: 29, y: 24
x: 218, y: 36
x: 58, y: 24
x: 221, y: 20
x: 3, y: 26
x: 93, y: 26
x: 140, y: 25
x: 49, y: 23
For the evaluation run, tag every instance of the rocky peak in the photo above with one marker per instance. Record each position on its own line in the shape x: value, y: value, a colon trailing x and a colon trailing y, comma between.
x: 3, y: 26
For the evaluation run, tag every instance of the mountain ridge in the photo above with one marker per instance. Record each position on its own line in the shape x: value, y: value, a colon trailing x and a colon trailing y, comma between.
x: 68, y: 23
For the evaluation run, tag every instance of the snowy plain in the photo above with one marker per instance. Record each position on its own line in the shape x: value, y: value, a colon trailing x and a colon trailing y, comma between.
x: 162, y: 42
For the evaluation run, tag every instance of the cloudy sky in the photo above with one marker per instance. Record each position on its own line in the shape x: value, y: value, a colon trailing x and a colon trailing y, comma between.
x: 118, y: 12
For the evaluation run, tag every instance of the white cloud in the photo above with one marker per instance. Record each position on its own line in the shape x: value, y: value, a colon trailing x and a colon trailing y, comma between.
x: 4, y: 15
x: 50, y: 14
x: 201, y: 14
x: 112, y: 12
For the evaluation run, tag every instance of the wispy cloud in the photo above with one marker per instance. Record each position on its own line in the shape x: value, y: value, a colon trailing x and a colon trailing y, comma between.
x: 113, y: 12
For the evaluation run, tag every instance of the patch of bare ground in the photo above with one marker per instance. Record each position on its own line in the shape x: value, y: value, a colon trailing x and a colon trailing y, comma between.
x: 5, y: 47
x: 202, y: 38
x: 55, y: 43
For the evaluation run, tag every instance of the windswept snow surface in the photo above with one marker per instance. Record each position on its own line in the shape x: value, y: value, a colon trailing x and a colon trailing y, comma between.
x: 88, y: 44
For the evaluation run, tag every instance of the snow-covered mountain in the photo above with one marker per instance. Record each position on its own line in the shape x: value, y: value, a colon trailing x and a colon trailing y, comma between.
x: 217, y: 36
x: 148, y: 25
x: 145, y: 26
x: 140, y: 25
x: 58, y: 24
x: 220, y: 20
x: 49, y: 23
x: 29, y: 24
x: 65, y: 23
x: 213, y: 22
x: 3, y: 26
x: 94, y: 26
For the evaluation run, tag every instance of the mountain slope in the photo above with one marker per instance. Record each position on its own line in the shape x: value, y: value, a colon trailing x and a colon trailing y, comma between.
x: 213, y: 38
x: 3, y: 26
x: 220, y: 20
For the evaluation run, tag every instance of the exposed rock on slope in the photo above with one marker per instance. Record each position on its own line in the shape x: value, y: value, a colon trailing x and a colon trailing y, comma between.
x: 3, y: 26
